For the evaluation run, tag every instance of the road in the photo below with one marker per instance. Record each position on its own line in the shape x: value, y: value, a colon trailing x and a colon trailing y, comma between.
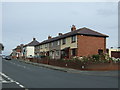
x: 21, y: 75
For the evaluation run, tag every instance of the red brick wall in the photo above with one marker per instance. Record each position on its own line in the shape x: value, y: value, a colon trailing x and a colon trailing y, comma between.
x: 89, y: 45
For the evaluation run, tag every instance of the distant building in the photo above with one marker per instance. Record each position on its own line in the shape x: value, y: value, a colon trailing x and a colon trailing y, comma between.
x: 17, y: 52
x: 28, y: 49
x: 77, y: 42
x: 114, y: 53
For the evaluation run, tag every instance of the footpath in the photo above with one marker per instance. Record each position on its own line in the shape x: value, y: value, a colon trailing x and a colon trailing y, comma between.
x: 70, y: 70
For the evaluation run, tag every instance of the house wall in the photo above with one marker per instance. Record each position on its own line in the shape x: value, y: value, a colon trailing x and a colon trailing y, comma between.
x: 43, y: 48
x: 29, y: 51
x: 14, y: 54
x: 37, y: 50
x: 110, y: 50
x: 89, y: 45
x: 55, y: 49
x: 68, y: 43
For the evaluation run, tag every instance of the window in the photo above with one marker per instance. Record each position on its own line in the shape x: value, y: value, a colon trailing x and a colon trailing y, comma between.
x: 100, y: 51
x: 41, y: 47
x: 57, y: 53
x: 51, y: 43
x: 64, y: 41
x: 58, y: 42
x: 45, y: 45
x: 73, y: 52
x: 55, y: 43
x: 73, y: 39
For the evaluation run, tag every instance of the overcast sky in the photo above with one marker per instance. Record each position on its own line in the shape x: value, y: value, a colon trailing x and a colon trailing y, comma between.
x: 23, y: 21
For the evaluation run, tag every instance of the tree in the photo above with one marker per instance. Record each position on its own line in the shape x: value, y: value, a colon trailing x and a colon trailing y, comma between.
x: 1, y: 47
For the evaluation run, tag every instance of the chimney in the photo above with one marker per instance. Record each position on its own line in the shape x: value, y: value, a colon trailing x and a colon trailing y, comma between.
x: 49, y: 37
x: 73, y: 28
x: 59, y: 34
x: 21, y: 45
x: 34, y: 39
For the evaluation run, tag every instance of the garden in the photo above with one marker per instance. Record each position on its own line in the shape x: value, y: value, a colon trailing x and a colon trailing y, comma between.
x: 94, y: 62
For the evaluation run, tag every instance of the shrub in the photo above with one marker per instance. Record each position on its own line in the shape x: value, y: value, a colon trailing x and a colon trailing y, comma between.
x: 96, y: 57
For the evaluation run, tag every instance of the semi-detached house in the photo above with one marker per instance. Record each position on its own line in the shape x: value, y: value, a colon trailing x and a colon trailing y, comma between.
x: 17, y: 52
x: 28, y: 49
x: 77, y: 42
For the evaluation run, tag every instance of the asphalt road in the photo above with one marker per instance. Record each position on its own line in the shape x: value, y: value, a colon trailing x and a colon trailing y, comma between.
x: 22, y: 75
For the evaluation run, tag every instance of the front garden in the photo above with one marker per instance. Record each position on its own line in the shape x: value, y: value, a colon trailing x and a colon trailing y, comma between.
x: 94, y: 62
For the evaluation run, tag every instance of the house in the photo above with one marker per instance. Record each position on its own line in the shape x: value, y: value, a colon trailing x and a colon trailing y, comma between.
x: 17, y: 52
x: 114, y: 53
x: 77, y: 42
x: 28, y: 49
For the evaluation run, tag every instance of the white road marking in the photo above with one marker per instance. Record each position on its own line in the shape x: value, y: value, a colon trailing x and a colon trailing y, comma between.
x: 17, y: 82
x: 10, y: 80
x: 21, y: 86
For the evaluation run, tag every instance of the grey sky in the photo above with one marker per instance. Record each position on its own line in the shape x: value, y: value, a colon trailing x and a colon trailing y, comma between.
x: 23, y: 21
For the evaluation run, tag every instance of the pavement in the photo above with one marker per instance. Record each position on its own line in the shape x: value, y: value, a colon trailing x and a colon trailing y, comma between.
x: 70, y: 70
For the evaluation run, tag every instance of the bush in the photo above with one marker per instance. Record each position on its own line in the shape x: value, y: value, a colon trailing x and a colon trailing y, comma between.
x: 96, y: 57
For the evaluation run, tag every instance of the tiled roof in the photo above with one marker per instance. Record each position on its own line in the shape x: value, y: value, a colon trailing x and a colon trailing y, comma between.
x: 81, y: 31
x: 33, y: 43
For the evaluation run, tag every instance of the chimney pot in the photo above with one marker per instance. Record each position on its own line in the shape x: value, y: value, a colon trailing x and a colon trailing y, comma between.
x: 34, y: 39
x: 49, y: 37
x: 73, y: 28
x: 59, y: 34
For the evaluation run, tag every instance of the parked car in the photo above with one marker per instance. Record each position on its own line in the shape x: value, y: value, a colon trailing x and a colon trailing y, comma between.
x: 8, y: 58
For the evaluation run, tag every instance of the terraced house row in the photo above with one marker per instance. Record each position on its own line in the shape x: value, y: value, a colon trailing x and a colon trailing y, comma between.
x: 77, y: 42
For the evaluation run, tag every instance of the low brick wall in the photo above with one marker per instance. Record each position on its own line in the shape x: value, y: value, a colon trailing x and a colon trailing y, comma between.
x: 77, y: 65
x: 103, y: 67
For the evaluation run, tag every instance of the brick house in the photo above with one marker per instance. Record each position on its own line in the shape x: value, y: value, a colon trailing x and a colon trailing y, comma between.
x: 77, y: 42
x: 17, y: 52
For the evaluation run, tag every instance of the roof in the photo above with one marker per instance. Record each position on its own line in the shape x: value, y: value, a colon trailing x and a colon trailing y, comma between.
x: 81, y: 31
x: 32, y: 43
x: 18, y: 47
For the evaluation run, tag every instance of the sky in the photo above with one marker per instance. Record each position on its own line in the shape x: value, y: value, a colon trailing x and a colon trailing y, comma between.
x: 22, y: 21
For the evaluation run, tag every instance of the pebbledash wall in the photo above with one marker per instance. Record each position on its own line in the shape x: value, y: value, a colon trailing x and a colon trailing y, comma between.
x: 69, y: 44
x: 89, y: 45
x: 30, y: 51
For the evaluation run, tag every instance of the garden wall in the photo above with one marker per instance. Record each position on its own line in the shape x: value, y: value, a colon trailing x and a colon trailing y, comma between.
x: 78, y: 65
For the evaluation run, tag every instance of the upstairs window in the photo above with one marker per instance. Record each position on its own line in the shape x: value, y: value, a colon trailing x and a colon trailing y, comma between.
x: 45, y: 45
x: 64, y: 41
x: 41, y: 47
x: 58, y: 42
x: 73, y: 39
x: 52, y: 43
x: 55, y: 43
